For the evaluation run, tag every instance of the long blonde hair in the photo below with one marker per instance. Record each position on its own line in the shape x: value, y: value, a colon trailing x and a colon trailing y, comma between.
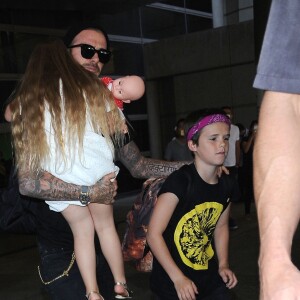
x: 83, y: 94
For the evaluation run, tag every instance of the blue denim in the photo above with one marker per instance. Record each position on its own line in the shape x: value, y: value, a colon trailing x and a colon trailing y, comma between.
x: 55, y: 261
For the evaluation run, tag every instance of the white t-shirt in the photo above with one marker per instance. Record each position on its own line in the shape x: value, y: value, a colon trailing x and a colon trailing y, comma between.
x: 95, y: 161
x: 230, y: 160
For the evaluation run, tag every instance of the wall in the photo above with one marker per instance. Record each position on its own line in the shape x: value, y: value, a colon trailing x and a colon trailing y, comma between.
x: 210, y: 68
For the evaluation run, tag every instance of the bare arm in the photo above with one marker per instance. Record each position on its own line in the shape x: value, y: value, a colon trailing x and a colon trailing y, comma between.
x: 221, y: 238
x: 277, y: 190
x: 47, y: 187
x: 142, y: 167
x: 163, y: 210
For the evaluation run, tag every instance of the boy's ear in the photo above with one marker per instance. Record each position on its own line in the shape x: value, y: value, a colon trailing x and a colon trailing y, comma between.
x: 192, y: 146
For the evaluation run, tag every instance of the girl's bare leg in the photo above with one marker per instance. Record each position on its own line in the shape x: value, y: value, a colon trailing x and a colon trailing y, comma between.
x: 109, y: 240
x: 82, y: 226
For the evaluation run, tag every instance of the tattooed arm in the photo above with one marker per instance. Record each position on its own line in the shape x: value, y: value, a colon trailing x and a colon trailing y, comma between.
x: 47, y: 187
x: 142, y: 167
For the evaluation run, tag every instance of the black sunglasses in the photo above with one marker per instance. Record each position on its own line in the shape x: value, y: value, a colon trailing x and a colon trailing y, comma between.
x: 88, y: 51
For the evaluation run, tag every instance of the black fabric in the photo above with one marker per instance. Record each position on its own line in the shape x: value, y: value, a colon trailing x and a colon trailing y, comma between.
x: 71, y: 286
x: 236, y: 193
x: 17, y: 215
x: 247, y: 178
x: 221, y: 293
x: 20, y: 214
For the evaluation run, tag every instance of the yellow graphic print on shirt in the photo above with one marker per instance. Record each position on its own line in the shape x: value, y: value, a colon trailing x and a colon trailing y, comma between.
x: 194, y: 232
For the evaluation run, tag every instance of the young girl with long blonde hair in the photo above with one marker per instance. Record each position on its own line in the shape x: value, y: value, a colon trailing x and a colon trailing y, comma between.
x: 65, y: 121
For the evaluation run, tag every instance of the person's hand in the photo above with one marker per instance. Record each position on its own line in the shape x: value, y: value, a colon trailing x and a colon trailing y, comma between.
x: 185, y: 288
x: 228, y: 277
x: 104, y: 190
x: 222, y: 170
x: 8, y: 114
x: 280, y: 281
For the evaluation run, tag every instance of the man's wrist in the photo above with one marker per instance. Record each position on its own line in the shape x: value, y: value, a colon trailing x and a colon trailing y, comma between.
x: 84, y: 196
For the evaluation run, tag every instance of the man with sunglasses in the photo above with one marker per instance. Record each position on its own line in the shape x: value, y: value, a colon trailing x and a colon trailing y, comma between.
x: 88, y: 44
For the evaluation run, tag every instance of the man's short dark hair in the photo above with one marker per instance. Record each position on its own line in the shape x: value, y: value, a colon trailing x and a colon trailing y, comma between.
x: 75, y: 29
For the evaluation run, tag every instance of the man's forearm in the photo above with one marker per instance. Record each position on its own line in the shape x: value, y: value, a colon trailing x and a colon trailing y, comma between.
x: 45, y: 186
x: 276, y: 174
x: 142, y: 167
x: 157, y: 168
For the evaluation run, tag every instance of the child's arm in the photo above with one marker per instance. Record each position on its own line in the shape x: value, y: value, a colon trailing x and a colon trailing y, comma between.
x: 221, y: 238
x: 163, y: 210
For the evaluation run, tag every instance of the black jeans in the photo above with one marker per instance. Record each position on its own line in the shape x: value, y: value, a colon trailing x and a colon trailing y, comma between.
x: 55, y: 261
x: 221, y: 293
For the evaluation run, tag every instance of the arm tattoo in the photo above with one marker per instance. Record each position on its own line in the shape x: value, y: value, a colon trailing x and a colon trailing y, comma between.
x: 45, y: 186
x: 142, y: 167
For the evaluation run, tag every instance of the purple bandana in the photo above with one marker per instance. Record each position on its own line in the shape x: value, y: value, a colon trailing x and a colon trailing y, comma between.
x: 206, y: 121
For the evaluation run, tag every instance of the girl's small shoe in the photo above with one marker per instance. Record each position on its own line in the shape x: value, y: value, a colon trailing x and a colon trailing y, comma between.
x: 127, y: 295
x: 93, y: 292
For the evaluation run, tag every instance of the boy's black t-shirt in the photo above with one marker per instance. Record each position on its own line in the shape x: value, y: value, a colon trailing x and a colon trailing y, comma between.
x: 190, y: 230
